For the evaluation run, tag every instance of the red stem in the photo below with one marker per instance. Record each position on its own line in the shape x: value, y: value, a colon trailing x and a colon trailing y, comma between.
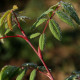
x: 50, y: 18
x: 42, y: 72
x: 19, y: 25
x: 8, y: 37
x: 49, y: 75
x: 21, y: 36
x: 46, y: 26
x: 27, y: 40
x: 25, y: 37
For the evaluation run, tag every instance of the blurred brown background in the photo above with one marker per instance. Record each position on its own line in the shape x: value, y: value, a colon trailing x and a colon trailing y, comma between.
x: 62, y: 57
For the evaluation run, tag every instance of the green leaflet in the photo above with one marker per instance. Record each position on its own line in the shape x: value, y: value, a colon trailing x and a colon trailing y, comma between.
x: 38, y: 22
x: 21, y: 75
x: 42, y: 41
x: 68, y: 8
x: 8, y: 72
x: 2, y: 29
x: 64, y: 17
x: 45, y: 13
x: 34, y: 35
x: 54, y: 28
x: 2, y: 77
x: 7, y: 29
x: 48, y: 11
x: 3, y: 17
x: 33, y: 75
x: 54, y: 6
x: 41, y: 21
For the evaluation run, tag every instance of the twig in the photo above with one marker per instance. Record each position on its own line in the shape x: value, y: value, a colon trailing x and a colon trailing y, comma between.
x: 25, y: 37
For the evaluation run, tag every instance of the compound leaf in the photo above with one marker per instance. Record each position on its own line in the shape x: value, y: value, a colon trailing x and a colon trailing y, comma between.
x: 3, y: 17
x: 65, y: 18
x: 8, y: 72
x: 68, y: 8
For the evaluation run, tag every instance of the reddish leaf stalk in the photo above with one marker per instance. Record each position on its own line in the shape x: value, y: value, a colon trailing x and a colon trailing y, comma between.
x: 49, y: 73
x: 41, y: 58
x: 19, y: 25
x: 46, y: 26
x: 50, y: 18
x: 27, y: 40
x: 25, y: 37
x: 8, y: 37
x: 21, y: 36
x: 42, y: 72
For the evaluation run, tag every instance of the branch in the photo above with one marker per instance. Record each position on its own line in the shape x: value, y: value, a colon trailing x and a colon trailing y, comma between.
x: 8, y: 37
x: 25, y: 38
x: 19, y: 25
